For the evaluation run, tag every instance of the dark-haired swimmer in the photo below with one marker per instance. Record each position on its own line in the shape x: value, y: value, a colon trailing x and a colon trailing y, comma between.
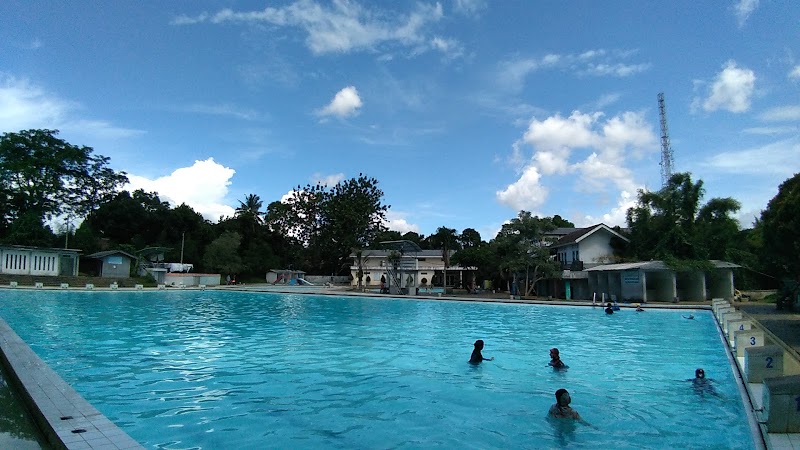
x: 561, y: 409
x: 555, y: 359
x: 477, y: 357
x: 609, y: 309
x: 690, y: 316
x: 703, y: 385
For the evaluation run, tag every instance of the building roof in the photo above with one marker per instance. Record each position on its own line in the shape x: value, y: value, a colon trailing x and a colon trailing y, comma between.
x: 30, y: 247
x: 101, y: 255
x: 286, y: 271
x: 653, y: 265
x: 582, y: 233
x: 369, y: 253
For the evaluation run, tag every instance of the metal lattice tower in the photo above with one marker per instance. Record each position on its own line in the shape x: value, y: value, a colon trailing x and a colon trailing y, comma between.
x: 666, y: 150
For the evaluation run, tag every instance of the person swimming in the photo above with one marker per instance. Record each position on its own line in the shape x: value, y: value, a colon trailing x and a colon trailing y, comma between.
x: 639, y: 308
x: 609, y: 309
x: 561, y: 409
x: 703, y: 385
x: 555, y: 359
x: 477, y: 357
x: 690, y: 316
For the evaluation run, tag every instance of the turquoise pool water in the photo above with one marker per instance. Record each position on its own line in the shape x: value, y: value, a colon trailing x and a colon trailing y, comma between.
x: 209, y: 369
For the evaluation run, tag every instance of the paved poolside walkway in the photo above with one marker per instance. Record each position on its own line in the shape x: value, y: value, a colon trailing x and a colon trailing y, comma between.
x: 783, y: 324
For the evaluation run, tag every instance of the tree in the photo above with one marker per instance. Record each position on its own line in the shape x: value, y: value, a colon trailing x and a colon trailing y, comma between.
x: 222, y: 254
x: 469, y: 238
x: 329, y: 223
x: 47, y: 176
x: 520, y: 248
x: 671, y: 225
x: 780, y: 227
x: 250, y: 210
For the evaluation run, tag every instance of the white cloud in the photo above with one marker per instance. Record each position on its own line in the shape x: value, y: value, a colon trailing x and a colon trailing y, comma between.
x: 731, y: 90
x: 203, y: 186
x: 327, y: 180
x: 511, y: 74
x: 451, y: 48
x: 781, y: 114
x: 606, y: 147
x: 771, y: 130
x: 470, y: 8
x: 777, y: 158
x: 794, y: 74
x: 396, y: 221
x: 617, y: 215
x: 743, y: 10
x: 619, y: 69
x: 341, y: 27
x: 344, y: 104
x: 526, y: 193
x: 24, y: 105
x: 221, y: 110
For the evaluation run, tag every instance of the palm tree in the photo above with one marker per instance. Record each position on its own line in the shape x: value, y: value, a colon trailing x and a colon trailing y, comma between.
x: 249, y: 210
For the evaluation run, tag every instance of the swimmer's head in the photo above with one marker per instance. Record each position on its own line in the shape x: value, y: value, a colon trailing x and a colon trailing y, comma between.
x: 553, y: 352
x: 562, y: 397
x: 700, y: 373
x: 479, y: 344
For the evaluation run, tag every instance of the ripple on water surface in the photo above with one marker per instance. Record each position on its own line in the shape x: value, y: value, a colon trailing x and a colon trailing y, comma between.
x: 207, y: 369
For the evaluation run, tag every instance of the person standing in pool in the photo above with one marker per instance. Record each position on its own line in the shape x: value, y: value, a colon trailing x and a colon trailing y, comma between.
x: 561, y: 409
x: 555, y: 359
x: 609, y: 309
x: 477, y: 356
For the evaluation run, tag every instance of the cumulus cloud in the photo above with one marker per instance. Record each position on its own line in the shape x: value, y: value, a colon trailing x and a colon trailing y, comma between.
x: 345, y: 103
x: 397, y: 221
x: 731, y: 90
x: 617, y: 215
x: 794, y: 74
x: 24, y: 105
x: 327, y: 180
x: 342, y: 26
x: 743, y: 10
x: 203, y: 186
x: 584, y: 146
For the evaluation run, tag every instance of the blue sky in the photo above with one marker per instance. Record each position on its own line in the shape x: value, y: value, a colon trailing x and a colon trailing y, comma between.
x: 465, y: 111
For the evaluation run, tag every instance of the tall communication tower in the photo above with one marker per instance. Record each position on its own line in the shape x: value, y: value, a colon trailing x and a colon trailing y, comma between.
x: 666, y: 149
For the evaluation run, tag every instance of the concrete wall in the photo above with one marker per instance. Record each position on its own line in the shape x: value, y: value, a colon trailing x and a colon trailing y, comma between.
x: 38, y: 262
x: 596, y: 248
x: 115, y: 266
x: 192, y: 279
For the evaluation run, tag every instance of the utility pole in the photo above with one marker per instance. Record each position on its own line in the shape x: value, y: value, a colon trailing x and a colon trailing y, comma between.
x: 68, y: 223
x: 183, y: 239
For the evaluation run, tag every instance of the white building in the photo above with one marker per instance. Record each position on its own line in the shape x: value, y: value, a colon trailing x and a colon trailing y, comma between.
x: 24, y: 260
x: 419, y: 269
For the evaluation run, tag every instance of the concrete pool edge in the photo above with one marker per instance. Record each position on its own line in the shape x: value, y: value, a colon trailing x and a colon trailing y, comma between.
x: 66, y: 419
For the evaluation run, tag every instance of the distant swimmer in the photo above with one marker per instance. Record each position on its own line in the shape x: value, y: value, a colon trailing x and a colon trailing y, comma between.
x: 609, y: 309
x: 639, y: 308
x: 477, y: 357
x: 690, y: 317
x: 561, y: 409
x: 555, y: 359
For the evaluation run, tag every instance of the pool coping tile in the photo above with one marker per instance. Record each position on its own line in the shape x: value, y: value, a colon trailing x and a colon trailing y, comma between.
x: 51, y: 400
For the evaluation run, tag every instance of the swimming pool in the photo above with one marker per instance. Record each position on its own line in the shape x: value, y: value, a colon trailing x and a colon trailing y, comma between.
x: 214, y: 369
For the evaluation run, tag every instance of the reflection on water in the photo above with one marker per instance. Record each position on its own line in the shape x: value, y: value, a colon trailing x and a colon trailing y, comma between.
x: 17, y: 429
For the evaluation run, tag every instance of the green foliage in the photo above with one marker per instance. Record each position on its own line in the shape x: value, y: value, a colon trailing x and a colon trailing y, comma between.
x: 670, y: 224
x: 779, y: 230
x: 46, y: 176
x: 223, y: 254
x: 28, y: 229
x: 328, y: 223
x: 688, y: 265
x: 520, y: 249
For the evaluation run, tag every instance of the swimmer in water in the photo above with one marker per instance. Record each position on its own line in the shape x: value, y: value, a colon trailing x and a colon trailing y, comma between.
x: 477, y: 357
x: 609, y: 309
x: 561, y: 409
x: 690, y: 316
x: 639, y: 308
x: 703, y: 385
x: 555, y: 359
